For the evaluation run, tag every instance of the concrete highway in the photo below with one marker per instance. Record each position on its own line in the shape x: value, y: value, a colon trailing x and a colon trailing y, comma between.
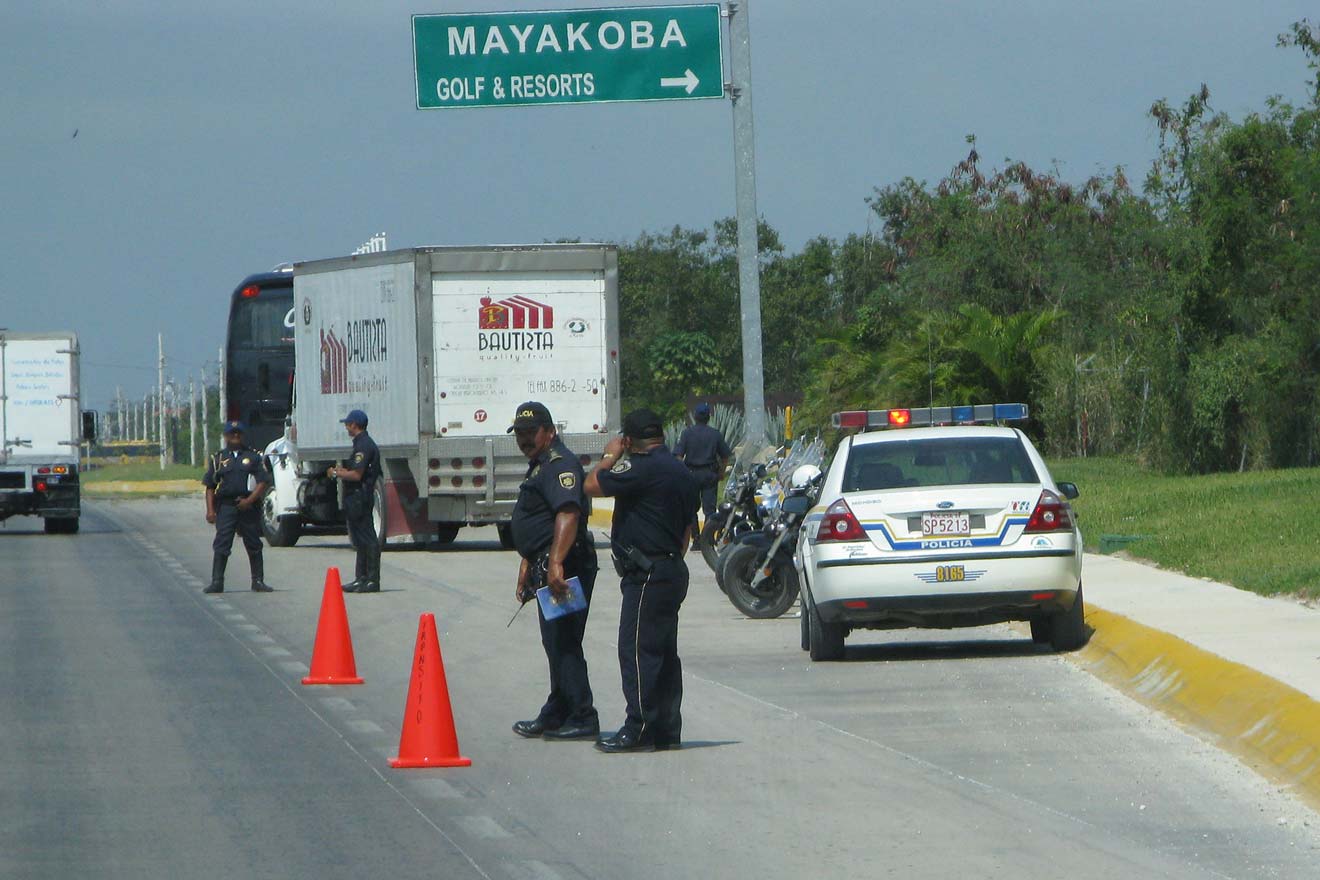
x: 148, y: 731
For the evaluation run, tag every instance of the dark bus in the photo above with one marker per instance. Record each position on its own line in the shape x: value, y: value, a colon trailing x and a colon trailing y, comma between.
x: 259, y: 355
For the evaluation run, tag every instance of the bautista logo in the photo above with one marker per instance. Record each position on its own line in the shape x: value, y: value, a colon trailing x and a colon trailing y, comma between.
x: 348, y: 364
x: 515, y: 324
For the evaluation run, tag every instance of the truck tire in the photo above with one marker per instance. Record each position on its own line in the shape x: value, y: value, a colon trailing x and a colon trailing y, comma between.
x: 1068, y: 628
x: 378, y: 518
x: 506, y: 535
x: 61, y: 525
x: 280, y: 531
x: 445, y: 532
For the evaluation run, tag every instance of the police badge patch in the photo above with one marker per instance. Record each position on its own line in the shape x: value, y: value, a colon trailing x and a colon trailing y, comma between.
x: 622, y: 467
x: 358, y: 456
x: 568, y: 481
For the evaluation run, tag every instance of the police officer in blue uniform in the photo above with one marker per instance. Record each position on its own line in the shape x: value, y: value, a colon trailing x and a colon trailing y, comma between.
x: 703, y: 450
x: 359, y: 477
x: 655, y: 504
x: 236, y: 479
x: 550, y: 534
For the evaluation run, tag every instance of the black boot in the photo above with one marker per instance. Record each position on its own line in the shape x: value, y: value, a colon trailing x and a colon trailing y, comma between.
x: 217, y: 584
x: 258, y: 573
x: 372, y: 583
x: 359, y: 574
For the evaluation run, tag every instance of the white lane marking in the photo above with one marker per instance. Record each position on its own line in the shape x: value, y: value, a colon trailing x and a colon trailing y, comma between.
x: 362, y: 725
x: 532, y: 870
x: 260, y: 639
x: 296, y: 667
x: 235, y: 615
x: 337, y: 704
x: 482, y: 826
x: 247, y: 627
x: 276, y: 651
x: 436, y: 788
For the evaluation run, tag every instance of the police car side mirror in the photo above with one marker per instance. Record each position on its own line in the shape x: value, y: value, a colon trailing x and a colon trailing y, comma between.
x: 1069, y: 490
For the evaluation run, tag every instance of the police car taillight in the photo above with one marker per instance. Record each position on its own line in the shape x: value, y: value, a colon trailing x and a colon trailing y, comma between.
x: 839, y: 524
x: 1052, y: 514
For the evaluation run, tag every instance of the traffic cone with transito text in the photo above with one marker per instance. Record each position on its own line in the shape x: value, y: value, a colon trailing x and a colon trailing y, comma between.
x: 428, y: 738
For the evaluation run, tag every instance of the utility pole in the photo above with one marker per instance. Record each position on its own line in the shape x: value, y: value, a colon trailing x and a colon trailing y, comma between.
x: 749, y: 264
x: 119, y: 412
x: 224, y: 403
x: 206, y: 419
x: 160, y: 391
x: 192, y: 423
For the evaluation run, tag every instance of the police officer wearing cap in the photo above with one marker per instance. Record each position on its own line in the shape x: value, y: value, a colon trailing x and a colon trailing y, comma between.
x: 703, y: 450
x: 550, y: 534
x: 236, y: 479
x: 359, y: 477
x: 655, y: 504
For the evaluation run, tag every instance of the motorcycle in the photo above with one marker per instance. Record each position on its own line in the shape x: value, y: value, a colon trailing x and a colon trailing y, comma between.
x: 757, y: 571
x: 738, y: 514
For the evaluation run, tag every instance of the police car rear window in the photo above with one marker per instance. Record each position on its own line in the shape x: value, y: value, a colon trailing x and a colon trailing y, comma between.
x: 937, y: 461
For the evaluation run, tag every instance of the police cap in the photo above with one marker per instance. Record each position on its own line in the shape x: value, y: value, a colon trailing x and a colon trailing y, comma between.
x: 643, y: 424
x: 531, y: 415
x: 356, y: 417
x: 234, y: 426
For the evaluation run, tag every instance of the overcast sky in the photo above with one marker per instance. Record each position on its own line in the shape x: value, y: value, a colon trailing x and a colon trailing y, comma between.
x: 218, y: 139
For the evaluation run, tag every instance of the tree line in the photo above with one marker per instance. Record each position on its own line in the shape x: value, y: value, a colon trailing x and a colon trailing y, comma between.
x: 1178, y: 322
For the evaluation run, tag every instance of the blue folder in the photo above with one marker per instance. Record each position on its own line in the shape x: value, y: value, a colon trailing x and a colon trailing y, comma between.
x: 574, y: 602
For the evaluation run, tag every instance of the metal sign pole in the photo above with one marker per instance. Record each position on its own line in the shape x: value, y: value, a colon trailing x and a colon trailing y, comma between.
x: 749, y: 267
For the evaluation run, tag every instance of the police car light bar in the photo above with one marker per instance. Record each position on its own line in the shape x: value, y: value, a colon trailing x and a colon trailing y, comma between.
x: 980, y: 414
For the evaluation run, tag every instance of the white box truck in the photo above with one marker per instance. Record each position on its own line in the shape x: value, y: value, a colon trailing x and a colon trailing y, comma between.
x: 438, y: 345
x: 41, y: 428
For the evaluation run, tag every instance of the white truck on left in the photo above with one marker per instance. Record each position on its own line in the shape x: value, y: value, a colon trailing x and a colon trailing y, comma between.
x: 41, y: 428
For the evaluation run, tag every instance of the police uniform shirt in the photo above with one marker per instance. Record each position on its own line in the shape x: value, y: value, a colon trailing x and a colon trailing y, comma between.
x: 366, y: 461
x: 702, y: 446
x: 655, y: 499
x: 553, y: 483
x: 229, y: 469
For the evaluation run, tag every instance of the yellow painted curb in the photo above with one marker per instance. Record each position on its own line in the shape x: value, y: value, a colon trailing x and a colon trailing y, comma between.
x: 601, y: 519
x: 143, y: 487
x: 1273, y: 727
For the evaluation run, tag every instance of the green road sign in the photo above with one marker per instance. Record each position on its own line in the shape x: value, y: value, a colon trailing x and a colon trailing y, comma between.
x: 634, y: 53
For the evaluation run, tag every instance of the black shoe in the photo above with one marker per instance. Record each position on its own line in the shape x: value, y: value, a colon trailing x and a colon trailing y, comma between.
x: 625, y: 741
x: 214, y: 588
x: 530, y: 729
x: 573, y: 731
x: 353, y: 585
x: 368, y: 587
x: 262, y: 587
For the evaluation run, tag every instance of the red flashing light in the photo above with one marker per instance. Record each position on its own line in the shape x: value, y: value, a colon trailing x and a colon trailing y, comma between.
x: 250, y: 291
x: 900, y: 418
x: 850, y: 419
x: 856, y: 604
x: 840, y: 525
x: 41, y: 486
x: 1043, y: 597
x: 1052, y: 514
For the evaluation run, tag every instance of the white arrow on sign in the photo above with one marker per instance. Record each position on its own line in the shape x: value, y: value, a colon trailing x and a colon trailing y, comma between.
x: 688, y: 80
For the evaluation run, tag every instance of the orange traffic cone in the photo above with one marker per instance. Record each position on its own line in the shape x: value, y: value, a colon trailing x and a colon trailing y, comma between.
x: 428, y: 738
x: 332, y: 655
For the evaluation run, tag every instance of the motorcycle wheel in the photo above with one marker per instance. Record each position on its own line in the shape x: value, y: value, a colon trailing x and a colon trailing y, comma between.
x: 711, y: 541
x: 771, y: 597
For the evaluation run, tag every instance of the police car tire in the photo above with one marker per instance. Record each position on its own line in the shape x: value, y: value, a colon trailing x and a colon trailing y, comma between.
x: 1068, y: 628
x: 446, y: 532
x: 826, y: 638
x: 806, y: 627
x: 505, y: 531
x: 772, y: 598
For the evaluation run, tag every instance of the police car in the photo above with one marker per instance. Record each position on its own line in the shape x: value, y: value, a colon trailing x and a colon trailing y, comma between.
x: 941, y: 517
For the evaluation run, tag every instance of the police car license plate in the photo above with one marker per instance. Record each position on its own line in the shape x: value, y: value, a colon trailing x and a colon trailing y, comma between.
x: 944, y: 524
